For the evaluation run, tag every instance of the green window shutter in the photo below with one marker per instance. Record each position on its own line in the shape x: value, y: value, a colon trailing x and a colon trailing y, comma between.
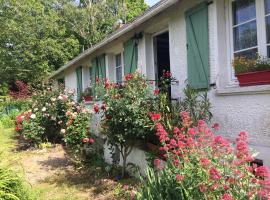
x: 102, y: 66
x: 198, y: 47
x: 130, y: 56
x: 79, y: 82
x: 93, y: 71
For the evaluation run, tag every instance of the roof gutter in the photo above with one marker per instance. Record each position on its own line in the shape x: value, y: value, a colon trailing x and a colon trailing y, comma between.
x: 159, y: 7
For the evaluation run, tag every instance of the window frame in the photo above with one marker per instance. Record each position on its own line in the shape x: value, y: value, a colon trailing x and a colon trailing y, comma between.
x: 122, y: 66
x: 261, y: 35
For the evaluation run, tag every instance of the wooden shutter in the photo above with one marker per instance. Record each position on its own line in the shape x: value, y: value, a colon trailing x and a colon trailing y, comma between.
x: 130, y: 56
x: 94, y: 71
x: 79, y: 82
x: 102, y: 66
x: 198, y: 46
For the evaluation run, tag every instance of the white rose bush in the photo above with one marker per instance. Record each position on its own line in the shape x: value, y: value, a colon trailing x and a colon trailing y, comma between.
x: 55, y: 117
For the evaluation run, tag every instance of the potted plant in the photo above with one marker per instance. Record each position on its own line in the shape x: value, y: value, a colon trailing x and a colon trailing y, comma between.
x: 252, y: 71
x: 87, y: 94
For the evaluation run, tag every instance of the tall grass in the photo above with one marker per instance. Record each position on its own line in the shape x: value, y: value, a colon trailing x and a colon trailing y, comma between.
x: 12, y: 186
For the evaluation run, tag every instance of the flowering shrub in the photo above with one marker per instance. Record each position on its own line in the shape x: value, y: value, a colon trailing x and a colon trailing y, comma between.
x: 54, y: 116
x: 77, y: 131
x: 126, y: 112
x: 204, y: 166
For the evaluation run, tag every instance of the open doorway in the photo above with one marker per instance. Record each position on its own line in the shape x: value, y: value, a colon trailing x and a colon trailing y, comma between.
x: 162, y: 55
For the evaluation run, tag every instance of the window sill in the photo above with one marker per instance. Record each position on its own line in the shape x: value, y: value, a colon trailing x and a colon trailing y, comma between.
x: 249, y: 90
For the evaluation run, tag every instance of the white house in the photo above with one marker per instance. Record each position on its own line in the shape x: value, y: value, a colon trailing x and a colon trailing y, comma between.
x: 196, y: 40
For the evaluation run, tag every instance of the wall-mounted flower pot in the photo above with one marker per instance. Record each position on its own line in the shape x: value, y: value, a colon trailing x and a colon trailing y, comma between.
x: 254, y: 78
x: 88, y: 98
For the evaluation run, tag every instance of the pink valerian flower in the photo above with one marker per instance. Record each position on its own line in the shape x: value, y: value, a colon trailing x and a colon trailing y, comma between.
x: 227, y: 196
x: 179, y: 177
x: 262, y: 172
x: 203, y: 188
x: 214, y: 174
x: 216, y: 126
x: 186, y: 119
x: 242, y: 136
x: 155, y: 116
x: 156, y: 91
x: 204, y: 162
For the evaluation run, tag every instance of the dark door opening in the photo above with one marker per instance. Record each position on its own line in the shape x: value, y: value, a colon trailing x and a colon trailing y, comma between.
x: 162, y: 55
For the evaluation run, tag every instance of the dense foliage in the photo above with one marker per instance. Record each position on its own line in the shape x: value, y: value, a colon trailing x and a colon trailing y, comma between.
x: 39, y: 36
x: 54, y: 116
x: 204, y: 165
x: 126, y: 111
x: 11, y: 186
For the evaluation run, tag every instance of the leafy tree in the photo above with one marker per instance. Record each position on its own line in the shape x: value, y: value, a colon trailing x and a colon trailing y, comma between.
x: 39, y: 36
x: 32, y: 41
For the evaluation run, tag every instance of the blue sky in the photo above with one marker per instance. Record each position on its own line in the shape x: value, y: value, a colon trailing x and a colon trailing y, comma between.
x: 151, y: 2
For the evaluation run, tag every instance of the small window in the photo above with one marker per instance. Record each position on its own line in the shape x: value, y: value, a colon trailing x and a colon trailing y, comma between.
x: 118, y: 68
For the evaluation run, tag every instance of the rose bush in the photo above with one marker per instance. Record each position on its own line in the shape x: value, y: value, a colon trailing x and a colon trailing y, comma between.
x: 54, y: 117
x: 125, y: 112
x: 201, y: 165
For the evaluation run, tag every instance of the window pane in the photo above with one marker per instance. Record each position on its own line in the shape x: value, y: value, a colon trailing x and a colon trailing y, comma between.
x: 119, y: 74
x: 243, y: 10
x: 267, y: 21
x: 118, y: 60
x: 251, y: 53
x: 267, y: 6
x: 245, y: 36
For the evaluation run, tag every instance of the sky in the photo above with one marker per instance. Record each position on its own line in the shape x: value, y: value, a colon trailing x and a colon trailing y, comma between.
x: 151, y: 2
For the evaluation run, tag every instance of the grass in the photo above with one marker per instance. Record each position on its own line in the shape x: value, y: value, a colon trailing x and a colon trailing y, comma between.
x: 48, y: 175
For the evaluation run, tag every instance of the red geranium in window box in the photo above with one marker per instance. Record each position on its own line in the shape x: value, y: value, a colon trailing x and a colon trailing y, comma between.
x: 252, y: 71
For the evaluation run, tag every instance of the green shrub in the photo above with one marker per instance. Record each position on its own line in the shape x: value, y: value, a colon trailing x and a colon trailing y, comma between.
x: 126, y: 111
x: 160, y: 185
x: 12, y: 187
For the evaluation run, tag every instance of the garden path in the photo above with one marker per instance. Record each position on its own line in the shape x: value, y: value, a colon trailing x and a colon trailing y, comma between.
x: 52, y: 176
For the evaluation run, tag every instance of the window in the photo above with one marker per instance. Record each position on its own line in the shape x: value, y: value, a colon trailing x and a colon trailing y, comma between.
x: 250, y: 28
x: 118, y: 68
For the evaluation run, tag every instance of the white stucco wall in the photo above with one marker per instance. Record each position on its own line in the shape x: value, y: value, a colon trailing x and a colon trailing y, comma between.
x: 235, y: 108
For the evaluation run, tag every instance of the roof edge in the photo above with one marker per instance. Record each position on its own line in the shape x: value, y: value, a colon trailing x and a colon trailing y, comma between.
x: 148, y: 14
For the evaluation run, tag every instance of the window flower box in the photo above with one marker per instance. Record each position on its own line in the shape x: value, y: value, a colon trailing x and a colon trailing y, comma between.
x: 250, y: 72
x: 88, y: 98
x: 254, y: 78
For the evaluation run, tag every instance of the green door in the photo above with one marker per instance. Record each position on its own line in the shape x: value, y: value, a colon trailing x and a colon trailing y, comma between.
x: 130, y: 56
x: 198, y: 46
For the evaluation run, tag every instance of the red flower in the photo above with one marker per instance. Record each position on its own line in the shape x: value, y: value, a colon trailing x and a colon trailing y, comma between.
x: 96, y: 108
x: 227, y: 196
x: 156, y: 91
x: 103, y: 107
x: 155, y: 116
x: 91, y: 140
x: 203, y: 188
x: 214, y: 174
x: 179, y: 178
x: 128, y: 77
